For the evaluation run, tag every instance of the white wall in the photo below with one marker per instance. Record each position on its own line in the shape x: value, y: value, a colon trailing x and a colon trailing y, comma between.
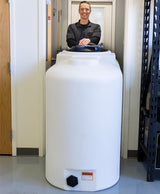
x: 132, y: 73
x: 28, y: 55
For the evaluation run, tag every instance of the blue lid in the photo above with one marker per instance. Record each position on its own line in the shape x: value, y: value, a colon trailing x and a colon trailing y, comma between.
x: 88, y: 48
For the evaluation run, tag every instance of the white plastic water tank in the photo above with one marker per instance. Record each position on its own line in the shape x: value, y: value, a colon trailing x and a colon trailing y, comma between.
x: 83, y: 121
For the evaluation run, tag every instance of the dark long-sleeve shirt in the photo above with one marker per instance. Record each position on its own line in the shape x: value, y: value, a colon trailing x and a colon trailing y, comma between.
x: 77, y: 31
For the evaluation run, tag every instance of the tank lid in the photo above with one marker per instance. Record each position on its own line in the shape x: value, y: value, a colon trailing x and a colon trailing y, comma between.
x: 87, y: 48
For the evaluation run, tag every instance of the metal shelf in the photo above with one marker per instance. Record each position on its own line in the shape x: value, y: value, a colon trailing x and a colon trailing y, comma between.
x: 150, y: 82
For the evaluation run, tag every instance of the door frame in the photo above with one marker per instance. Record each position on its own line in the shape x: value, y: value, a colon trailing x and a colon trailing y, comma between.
x: 13, y: 73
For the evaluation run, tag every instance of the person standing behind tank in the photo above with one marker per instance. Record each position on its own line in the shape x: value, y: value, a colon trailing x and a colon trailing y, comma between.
x: 83, y: 32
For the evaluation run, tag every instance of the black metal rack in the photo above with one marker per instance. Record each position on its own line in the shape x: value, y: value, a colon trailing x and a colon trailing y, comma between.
x: 149, y: 123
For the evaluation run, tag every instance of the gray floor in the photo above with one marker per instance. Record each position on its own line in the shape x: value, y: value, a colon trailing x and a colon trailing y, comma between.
x: 26, y: 175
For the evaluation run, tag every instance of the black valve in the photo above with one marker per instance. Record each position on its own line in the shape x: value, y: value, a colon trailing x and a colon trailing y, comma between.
x: 72, y: 181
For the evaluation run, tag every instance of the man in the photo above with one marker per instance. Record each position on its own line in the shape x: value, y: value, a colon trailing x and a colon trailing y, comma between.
x: 83, y: 32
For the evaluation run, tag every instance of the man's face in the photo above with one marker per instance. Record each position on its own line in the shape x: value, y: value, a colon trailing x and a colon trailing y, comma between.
x: 84, y: 11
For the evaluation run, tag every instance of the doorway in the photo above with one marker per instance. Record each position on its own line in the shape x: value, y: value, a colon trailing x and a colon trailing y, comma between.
x: 5, y: 81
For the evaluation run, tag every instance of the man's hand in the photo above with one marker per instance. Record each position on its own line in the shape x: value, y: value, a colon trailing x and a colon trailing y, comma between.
x: 84, y: 41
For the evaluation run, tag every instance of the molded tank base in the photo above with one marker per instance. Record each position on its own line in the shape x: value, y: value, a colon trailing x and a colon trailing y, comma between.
x: 82, y: 184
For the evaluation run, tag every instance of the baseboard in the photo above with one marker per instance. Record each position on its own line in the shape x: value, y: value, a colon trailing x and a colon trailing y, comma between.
x: 35, y: 152
x: 132, y: 153
x: 27, y: 152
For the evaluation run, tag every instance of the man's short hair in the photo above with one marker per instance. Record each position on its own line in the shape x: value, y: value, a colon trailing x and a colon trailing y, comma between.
x: 85, y: 2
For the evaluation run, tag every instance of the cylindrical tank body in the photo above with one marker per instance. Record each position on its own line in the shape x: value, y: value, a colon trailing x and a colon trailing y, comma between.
x: 83, y: 121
